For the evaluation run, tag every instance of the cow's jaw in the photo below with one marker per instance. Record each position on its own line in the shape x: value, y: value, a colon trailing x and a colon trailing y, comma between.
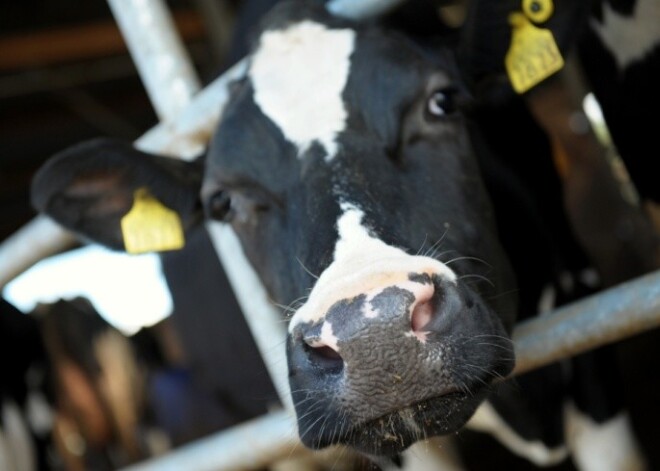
x: 390, y: 347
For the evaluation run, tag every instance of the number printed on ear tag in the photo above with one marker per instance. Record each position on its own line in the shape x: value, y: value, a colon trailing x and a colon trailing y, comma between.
x: 533, y: 54
x: 150, y: 226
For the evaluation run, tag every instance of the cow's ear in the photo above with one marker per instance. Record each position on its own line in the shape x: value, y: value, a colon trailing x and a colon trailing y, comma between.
x: 125, y: 199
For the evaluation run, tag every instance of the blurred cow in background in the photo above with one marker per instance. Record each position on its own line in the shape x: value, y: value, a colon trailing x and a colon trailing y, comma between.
x: 78, y: 394
x: 78, y: 384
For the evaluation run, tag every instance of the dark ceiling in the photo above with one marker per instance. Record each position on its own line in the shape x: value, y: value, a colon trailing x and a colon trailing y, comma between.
x: 65, y: 76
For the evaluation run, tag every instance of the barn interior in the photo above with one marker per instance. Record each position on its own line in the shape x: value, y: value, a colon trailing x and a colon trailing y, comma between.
x: 66, y: 76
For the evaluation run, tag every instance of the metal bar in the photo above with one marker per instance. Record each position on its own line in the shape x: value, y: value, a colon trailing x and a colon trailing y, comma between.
x: 361, y: 9
x: 158, y: 53
x: 35, y: 241
x: 263, y: 319
x: 614, y: 314
x: 189, y: 133
x: 251, y: 445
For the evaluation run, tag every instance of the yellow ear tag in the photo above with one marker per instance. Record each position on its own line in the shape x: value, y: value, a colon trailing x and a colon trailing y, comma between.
x: 533, y: 55
x: 151, y: 227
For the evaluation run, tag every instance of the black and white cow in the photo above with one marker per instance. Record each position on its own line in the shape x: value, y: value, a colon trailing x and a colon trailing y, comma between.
x: 71, y: 381
x: 347, y: 164
x: 75, y: 393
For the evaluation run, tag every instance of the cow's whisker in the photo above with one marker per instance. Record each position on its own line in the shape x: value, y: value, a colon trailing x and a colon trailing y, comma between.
x: 467, y: 257
x: 480, y: 277
x: 309, y: 272
x: 435, y: 246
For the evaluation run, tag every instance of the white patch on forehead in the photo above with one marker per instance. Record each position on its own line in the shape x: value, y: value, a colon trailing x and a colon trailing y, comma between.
x: 298, y: 75
x: 630, y: 38
x: 363, y: 265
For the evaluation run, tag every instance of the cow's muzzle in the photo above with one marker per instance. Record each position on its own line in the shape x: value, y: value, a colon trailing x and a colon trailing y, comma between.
x: 395, y: 364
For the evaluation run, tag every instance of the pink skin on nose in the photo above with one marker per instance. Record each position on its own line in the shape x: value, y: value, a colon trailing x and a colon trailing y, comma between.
x: 421, y: 310
x: 421, y: 313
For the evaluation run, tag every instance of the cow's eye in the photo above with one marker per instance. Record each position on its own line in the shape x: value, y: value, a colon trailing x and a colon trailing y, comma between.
x: 441, y: 103
x: 219, y: 206
x: 241, y: 204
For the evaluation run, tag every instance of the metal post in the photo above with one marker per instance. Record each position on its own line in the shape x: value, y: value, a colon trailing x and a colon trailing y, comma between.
x: 159, y: 55
x: 188, y: 135
x: 35, y: 241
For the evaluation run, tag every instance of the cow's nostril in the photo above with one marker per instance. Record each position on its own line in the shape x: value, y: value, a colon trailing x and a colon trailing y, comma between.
x: 421, y: 315
x: 325, y: 357
x: 327, y: 352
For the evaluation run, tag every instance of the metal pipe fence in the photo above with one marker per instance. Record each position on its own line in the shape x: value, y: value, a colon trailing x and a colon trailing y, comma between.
x: 188, y: 118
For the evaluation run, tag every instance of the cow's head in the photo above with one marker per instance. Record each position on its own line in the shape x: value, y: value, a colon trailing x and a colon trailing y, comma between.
x: 345, y: 165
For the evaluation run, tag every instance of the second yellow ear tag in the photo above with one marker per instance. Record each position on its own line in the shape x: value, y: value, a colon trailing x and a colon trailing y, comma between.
x: 150, y: 226
x: 533, y: 54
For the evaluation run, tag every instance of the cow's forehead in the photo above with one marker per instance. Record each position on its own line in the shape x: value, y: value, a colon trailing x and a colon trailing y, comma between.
x: 298, y: 74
